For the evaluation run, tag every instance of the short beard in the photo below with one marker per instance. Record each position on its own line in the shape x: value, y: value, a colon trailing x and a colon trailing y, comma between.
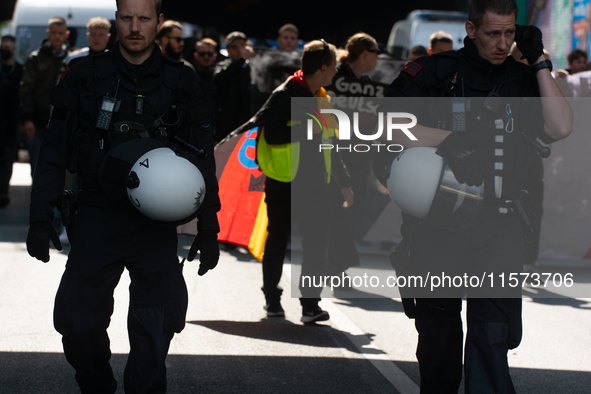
x: 136, y: 53
x: 171, y: 53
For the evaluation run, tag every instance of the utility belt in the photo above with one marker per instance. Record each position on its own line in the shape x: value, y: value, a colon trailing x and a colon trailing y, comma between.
x: 497, y: 212
x: 98, y: 144
x: 100, y: 200
x: 517, y: 208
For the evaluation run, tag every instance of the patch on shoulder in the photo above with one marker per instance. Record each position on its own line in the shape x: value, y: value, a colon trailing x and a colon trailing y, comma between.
x: 412, y: 68
x: 66, y: 71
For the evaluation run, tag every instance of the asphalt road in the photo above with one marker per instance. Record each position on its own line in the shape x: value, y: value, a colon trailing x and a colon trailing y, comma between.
x: 229, y: 346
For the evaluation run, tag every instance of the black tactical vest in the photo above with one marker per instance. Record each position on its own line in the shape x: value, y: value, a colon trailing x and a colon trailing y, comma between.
x: 495, y: 123
x: 138, y: 106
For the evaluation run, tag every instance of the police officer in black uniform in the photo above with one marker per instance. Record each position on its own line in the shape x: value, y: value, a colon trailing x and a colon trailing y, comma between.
x: 109, y: 234
x: 488, y: 151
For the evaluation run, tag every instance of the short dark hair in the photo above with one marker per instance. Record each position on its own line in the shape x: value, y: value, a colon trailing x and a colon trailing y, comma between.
x: 167, y: 27
x: 316, y: 54
x: 575, y: 54
x: 157, y: 4
x: 478, y: 8
x: 9, y: 38
x: 418, y: 50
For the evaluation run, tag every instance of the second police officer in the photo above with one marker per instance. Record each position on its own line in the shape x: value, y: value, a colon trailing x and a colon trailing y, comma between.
x: 487, y: 151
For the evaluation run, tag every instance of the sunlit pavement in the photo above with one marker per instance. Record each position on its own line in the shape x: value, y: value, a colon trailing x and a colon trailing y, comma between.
x: 229, y: 346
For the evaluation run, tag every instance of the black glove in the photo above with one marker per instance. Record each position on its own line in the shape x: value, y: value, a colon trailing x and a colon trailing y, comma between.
x: 463, y: 160
x: 38, y: 240
x: 529, y: 42
x: 381, y: 164
x: 207, y: 244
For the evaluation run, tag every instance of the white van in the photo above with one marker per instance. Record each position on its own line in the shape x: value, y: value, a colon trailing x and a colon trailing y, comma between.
x: 418, y: 27
x: 29, y: 21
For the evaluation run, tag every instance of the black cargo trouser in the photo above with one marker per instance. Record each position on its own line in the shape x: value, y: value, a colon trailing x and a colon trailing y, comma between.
x: 494, y: 324
x: 310, y: 211
x: 104, y: 243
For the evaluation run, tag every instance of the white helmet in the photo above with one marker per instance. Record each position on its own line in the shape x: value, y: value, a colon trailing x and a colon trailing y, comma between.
x: 160, y: 183
x: 169, y: 188
x: 423, y: 186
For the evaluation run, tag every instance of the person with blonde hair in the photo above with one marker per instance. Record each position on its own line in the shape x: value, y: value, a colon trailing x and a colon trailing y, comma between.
x: 307, y: 200
x: 360, y: 55
x: 97, y: 33
x: 440, y: 41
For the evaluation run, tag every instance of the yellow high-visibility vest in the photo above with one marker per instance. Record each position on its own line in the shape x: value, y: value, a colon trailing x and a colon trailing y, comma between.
x: 281, y: 161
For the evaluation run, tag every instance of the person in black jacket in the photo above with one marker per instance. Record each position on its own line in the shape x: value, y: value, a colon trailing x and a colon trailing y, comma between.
x: 205, y: 57
x: 232, y: 86
x: 488, y: 151
x: 97, y: 33
x: 300, y: 191
x: 109, y: 234
x: 11, y: 73
x: 359, y: 57
x: 40, y: 73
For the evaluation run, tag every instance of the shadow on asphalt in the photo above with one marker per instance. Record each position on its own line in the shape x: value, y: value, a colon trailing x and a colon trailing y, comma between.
x: 282, y: 330
x: 370, y: 303
x: 545, y: 297
x: 49, y: 373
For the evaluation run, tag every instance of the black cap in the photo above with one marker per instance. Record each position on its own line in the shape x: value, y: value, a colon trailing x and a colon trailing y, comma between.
x: 235, y: 35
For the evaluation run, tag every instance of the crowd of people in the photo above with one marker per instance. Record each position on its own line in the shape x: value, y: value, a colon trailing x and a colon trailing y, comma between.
x: 77, y: 108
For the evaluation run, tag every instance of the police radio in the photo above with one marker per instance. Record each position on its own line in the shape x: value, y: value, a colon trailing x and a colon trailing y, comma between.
x: 106, y: 111
x: 458, y: 114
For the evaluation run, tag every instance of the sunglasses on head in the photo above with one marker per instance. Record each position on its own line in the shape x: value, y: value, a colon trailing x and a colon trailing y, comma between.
x: 324, y: 50
x: 205, y: 54
x: 373, y: 50
x: 178, y: 39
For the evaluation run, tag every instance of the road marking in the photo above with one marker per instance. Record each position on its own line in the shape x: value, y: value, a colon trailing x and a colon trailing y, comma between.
x: 21, y: 174
x: 370, y: 352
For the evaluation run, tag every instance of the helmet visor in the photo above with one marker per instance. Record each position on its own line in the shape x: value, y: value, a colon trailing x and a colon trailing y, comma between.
x: 455, y: 204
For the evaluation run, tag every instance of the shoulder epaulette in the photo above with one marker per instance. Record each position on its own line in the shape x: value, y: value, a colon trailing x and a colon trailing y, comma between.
x: 412, y: 68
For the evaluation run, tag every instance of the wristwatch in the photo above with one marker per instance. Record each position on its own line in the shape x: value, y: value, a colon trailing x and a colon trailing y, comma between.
x: 543, y: 64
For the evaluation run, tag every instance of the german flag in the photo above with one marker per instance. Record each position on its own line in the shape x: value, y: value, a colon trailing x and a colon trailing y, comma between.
x: 243, y: 216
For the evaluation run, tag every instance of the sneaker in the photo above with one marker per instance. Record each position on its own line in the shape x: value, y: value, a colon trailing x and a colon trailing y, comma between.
x: 274, y: 310
x: 314, y: 315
